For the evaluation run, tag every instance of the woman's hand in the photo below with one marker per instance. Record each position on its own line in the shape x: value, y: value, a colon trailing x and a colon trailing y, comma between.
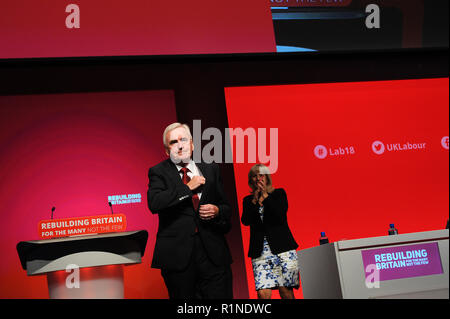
x: 255, y: 196
x: 262, y: 191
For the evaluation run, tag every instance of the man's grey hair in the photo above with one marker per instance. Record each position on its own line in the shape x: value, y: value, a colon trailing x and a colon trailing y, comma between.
x: 172, y: 127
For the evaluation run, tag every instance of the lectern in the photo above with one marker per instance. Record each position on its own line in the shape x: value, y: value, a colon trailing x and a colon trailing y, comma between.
x: 405, y: 266
x: 88, y: 266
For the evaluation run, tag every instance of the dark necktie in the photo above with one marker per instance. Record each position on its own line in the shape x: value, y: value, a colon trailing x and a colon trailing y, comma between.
x: 186, y: 179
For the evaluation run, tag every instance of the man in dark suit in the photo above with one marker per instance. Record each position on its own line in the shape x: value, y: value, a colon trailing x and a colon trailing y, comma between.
x: 194, y: 215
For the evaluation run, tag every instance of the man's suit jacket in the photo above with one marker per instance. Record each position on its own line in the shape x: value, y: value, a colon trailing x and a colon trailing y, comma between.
x: 171, y: 199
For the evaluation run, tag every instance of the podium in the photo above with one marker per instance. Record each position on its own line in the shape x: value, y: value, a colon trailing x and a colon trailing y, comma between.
x: 79, y: 267
x: 405, y: 266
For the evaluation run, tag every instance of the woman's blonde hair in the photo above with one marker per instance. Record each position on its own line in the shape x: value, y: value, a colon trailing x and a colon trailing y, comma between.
x: 261, y: 170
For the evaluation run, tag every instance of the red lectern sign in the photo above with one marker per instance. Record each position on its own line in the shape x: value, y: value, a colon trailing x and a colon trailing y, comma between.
x: 54, y: 228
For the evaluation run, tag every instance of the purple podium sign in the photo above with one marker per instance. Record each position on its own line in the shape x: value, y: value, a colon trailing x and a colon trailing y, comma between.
x: 403, y: 261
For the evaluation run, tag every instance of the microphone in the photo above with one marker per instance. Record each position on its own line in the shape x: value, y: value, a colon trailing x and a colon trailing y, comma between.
x: 53, y: 209
x: 110, y: 205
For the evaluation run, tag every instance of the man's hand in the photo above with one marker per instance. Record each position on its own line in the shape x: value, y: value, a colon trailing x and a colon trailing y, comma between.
x: 208, y: 211
x: 196, y: 182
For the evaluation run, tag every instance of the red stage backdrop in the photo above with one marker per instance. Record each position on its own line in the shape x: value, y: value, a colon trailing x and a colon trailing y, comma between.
x: 76, y: 152
x: 352, y: 157
x: 55, y: 28
x: 86, y: 28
